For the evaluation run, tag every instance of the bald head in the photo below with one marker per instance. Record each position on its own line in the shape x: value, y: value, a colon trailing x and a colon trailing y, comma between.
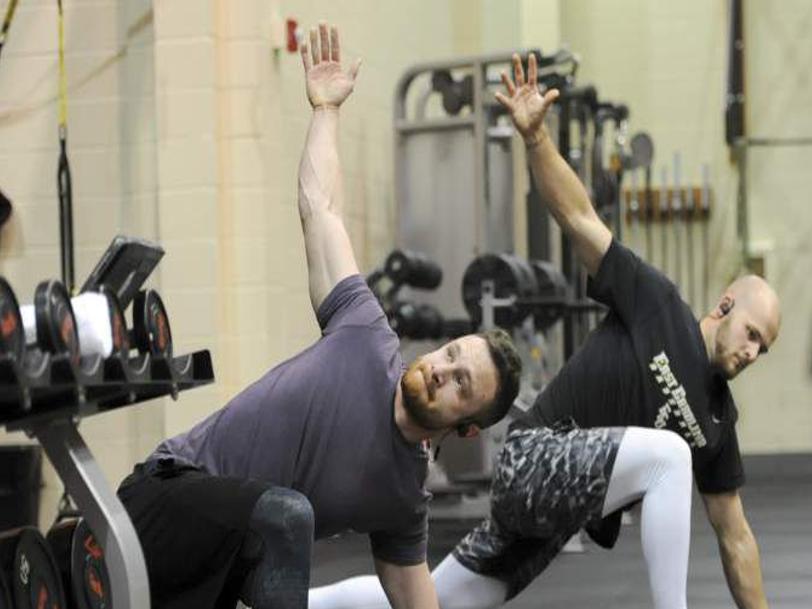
x: 754, y: 294
x: 742, y: 326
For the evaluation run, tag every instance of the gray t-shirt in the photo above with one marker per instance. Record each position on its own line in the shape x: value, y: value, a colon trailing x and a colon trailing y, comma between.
x: 323, y: 423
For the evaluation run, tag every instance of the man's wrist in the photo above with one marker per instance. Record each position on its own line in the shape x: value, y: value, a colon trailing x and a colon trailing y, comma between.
x: 325, y: 108
x: 535, y: 139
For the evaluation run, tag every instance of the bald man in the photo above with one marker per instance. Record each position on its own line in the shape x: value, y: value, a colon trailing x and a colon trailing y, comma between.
x: 654, y: 378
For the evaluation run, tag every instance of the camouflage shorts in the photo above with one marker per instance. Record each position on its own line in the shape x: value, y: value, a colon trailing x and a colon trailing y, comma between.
x: 548, y: 484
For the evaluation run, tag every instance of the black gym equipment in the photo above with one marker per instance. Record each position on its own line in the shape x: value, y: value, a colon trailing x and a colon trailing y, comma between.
x: 30, y: 570
x: 57, y: 332
x: 81, y: 563
x: 520, y: 289
x: 46, y: 394
x: 5, y: 208
x: 151, y: 330
x: 414, y: 269
x: 12, y: 333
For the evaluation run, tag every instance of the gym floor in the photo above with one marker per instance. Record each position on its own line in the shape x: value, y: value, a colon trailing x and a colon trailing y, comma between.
x: 778, y: 504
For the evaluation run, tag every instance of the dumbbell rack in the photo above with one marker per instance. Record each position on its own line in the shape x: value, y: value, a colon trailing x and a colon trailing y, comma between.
x: 46, y: 395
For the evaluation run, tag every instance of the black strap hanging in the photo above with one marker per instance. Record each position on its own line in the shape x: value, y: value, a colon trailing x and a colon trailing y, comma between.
x: 12, y: 5
x: 63, y: 171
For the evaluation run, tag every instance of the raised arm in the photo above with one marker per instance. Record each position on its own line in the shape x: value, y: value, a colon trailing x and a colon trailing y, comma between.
x: 738, y: 549
x: 321, y: 192
x: 568, y: 200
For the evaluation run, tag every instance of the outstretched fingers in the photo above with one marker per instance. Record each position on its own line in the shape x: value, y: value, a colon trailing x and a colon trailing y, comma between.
x: 325, y: 41
x: 502, y: 99
x: 305, y: 52
x: 508, y: 84
x: 518, y: 70
x: 353, y: 71
x: 532, y: 70
x: 549, y: 98
x: 335, y: 47
x: 314, y: 45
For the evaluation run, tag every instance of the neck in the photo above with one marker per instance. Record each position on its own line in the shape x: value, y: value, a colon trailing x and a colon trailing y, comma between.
x: 408, y: 427
x: 707, y: 326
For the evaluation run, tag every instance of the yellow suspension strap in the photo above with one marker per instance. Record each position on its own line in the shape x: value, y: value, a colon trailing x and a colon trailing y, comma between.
x: 12, y: 5
x: 63, y: 172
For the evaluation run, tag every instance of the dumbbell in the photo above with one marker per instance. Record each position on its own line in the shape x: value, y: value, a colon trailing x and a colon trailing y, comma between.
x: 88, y: 324
x: 417, y: 321
x: 12, y: 332
x: 81, y: 564
x: 151, y: 332
x: 413, y: 269
x: 30, y: 570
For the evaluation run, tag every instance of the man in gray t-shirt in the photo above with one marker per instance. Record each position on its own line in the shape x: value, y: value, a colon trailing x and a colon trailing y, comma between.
x: 330, y: 440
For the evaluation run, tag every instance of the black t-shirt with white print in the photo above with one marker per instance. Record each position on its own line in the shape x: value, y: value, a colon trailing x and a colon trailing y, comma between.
x: 646, y: 365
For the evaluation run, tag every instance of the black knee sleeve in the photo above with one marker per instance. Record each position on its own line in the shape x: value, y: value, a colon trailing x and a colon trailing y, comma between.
x: 279, y: 543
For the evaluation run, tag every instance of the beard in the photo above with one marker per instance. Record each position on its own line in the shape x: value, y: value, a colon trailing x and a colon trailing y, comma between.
x: 723, y: 360
x: 416, y: 398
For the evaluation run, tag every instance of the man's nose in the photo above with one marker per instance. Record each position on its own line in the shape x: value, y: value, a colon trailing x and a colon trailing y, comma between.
x: 752, y: 353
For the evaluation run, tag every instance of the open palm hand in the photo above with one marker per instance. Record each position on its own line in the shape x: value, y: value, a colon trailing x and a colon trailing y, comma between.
x: 526, y: 105
x: 327, y: 84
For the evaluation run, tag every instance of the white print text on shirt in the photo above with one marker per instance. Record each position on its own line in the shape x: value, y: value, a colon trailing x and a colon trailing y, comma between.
x: 676, y: 403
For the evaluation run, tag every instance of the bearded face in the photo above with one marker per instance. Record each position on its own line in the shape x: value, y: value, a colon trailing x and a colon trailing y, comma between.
x: 418, y: 396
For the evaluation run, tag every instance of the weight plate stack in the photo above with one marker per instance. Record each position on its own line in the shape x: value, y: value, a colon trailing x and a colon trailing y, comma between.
x: 81, y: 564
x: 91, y: 583
x: 512, y: 276
x: 12, y: 332
x: 56, y: 323
x: 29, y: 565
x: 151, y: 331
x: 60, y: 540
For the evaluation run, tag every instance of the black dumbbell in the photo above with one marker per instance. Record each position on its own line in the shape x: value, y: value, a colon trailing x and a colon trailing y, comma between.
x: 12, y: 332
x: 57, y: 332
x: 151, y: 331
x: 413, y: 269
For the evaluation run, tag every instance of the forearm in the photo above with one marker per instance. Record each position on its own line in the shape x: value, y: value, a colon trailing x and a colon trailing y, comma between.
x: 320, y: 177
x: 407, y: 587
x: 557, y: 182
x: 742, y: 566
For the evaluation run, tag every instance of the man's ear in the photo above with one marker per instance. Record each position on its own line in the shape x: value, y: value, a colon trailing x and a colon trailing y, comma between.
x: 468, y: 430
x: 723, y: 307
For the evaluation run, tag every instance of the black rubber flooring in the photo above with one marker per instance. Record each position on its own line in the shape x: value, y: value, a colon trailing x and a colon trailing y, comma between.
x: 778, y: 504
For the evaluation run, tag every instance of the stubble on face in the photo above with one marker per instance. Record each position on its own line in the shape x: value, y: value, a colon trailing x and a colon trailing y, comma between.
x: 417, y: 397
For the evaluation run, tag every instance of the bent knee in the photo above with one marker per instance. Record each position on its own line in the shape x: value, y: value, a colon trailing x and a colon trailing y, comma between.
x: 669, y: 449
x: 283, y: 509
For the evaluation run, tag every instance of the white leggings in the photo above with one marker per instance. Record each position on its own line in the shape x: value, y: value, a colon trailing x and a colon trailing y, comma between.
x: 651, y: 464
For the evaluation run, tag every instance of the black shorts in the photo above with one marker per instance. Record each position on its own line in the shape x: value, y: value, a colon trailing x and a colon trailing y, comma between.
x: 191, y: 526
x: 547, y: 485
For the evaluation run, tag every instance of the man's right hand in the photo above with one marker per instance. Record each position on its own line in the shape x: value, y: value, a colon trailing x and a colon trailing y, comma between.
x: 524, y: 102
x: 327, y: 84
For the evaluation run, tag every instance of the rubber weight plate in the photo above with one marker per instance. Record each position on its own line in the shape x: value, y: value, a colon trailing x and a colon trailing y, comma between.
x: 91, y: 583
x: 30, y: 570
x: 12, y: 333
x: 118, y: 325
x: 60, y: 540
x: 56, y: 322
x: 512, y: 276
x: 151, y: 324
x: 552, y: 285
